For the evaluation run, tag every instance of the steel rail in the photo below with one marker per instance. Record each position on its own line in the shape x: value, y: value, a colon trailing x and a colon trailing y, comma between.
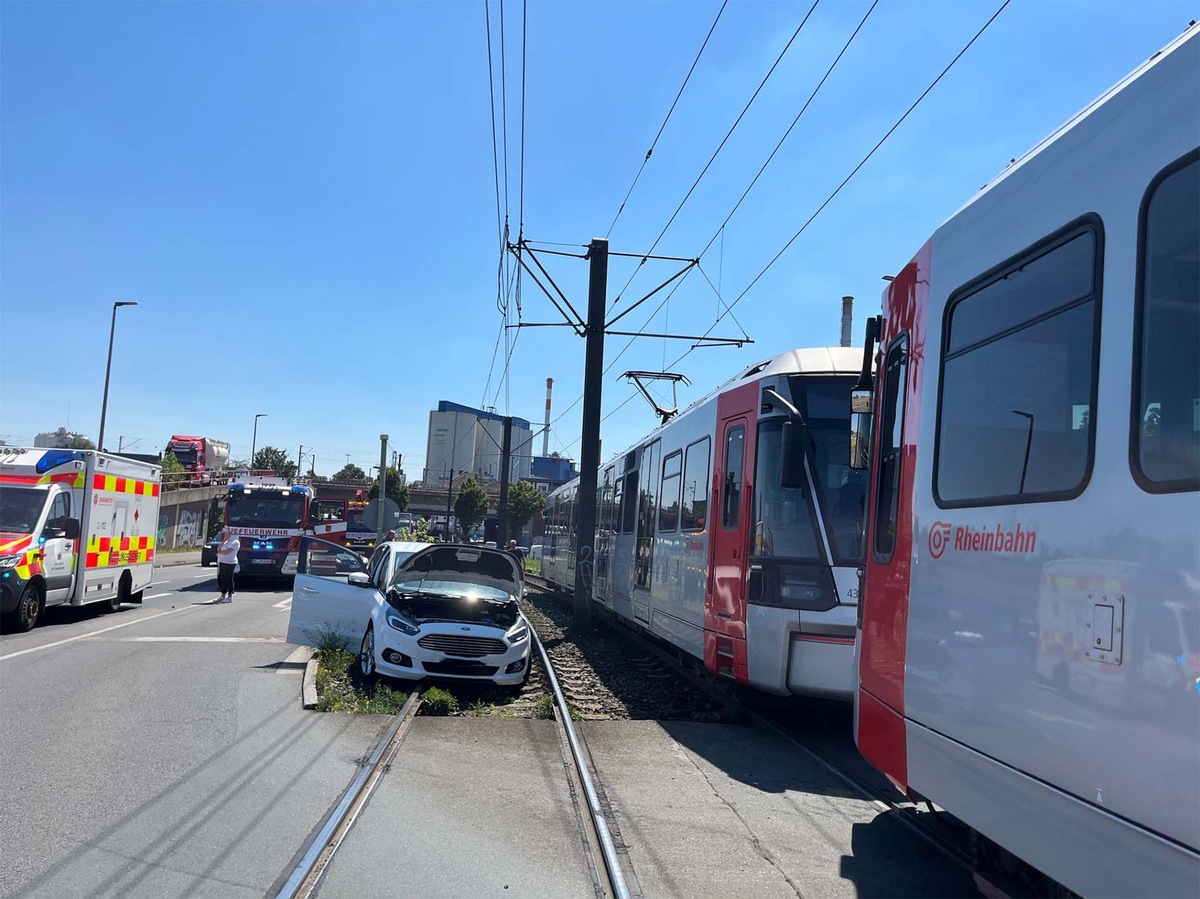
x: 607, y: 848
x: 869, y: 793
x: 306, y: 875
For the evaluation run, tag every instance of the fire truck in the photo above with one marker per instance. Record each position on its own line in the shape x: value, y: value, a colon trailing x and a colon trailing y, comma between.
x: 270, y: 515
x: 359, y: 535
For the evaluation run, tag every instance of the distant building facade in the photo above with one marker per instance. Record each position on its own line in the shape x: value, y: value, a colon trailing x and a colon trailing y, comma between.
x: 550, y: 472
x: 462, y: 438
x: 60, y: 439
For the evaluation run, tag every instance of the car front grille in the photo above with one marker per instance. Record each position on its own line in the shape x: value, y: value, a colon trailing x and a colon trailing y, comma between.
x: 460, y: 666
x: 455, y: 645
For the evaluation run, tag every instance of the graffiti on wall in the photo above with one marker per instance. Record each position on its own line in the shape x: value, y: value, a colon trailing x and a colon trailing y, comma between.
x: 191, y: 527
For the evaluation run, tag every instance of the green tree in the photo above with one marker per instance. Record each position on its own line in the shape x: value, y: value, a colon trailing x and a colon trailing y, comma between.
x: 471, y: 506
x: 524, y: 502
x: 418, y: 533
x: 275, y: 459
x: 396, y: 489
x: 351, y: 472
x: 171, y: 465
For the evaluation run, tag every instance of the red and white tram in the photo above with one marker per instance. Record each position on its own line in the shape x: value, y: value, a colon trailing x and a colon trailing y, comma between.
x: 1029, y: 647
x: 734, y: 530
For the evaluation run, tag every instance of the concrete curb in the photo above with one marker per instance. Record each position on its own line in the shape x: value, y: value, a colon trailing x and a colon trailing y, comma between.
x: 308, y: 690
x: 173, y: 560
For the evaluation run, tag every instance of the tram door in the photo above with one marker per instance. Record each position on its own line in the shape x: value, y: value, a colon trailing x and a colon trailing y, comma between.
x: 729, y: 534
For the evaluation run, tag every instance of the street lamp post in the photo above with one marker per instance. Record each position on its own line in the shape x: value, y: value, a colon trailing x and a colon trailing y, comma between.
x: 254, y: 440
x: 108, y: 370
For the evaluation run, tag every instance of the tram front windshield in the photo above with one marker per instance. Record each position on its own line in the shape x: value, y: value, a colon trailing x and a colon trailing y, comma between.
x: 784, y: 522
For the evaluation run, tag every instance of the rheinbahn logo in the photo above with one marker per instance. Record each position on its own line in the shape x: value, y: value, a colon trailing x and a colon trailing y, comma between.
x: 980, y: 540
x: 939, y: 536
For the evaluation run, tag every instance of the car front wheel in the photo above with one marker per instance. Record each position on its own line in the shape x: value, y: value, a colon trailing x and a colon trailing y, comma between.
x: 366, y: 654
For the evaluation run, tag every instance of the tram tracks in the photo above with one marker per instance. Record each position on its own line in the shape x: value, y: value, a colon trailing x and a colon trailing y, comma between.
x: 835, y: 757
x: 604, y: 857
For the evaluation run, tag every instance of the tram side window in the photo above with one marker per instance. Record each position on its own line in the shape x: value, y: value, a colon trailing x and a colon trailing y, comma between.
x: 668, y: 503
x: 887, y: 503
x: 1019, y: 370
x: 695, y: 486
x: 731, y: 490
x: 1166, y: 426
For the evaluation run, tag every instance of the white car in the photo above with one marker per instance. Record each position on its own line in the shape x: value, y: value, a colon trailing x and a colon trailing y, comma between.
x: 416, y: 610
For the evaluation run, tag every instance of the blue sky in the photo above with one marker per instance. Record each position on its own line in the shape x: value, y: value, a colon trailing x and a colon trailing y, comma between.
x: 301, y: 195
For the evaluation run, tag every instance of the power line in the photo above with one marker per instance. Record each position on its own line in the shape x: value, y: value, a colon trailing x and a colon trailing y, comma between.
x: 855, y: 171
x: 654, y: 143
x: 721, y: 145
x: 807, y: 103
x: 492, y: 102
x: 829, y: 199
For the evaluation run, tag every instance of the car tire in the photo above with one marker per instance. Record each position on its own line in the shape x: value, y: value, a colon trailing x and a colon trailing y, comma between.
x: 366, y: 655
x: 205, y: 563
x: 29, y: 609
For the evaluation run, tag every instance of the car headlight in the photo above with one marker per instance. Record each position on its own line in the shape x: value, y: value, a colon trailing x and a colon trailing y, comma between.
x: 9, y: 561
x: 400, y: 623
x: 518, y: 634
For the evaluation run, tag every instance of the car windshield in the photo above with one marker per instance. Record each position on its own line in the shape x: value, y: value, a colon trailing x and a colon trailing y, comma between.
x: 266, y: 510
x: 20, y: 508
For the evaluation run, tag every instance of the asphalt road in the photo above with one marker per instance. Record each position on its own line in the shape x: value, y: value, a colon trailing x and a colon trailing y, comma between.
x: 162, y: 750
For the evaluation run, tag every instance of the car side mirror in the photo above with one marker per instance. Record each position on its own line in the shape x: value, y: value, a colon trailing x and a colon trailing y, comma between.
x: 359, y: 579
x: 861, y: 415
x: 71, y: 529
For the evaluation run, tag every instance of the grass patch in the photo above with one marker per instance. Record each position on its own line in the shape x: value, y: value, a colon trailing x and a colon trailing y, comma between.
x: 544, y: 707
x: 438, y: 702
x: 534, y: 567
x: 340, y: 687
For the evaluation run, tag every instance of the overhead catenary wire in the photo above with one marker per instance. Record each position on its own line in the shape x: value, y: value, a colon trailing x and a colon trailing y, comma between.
x: 667, y: 118
x: 830, y: 198
x: 720, y: 146
x: 861, y: 163
x: 816, y: 90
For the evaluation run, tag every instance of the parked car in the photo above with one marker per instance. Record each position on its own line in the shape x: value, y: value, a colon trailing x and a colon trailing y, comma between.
x: 440, y: 610
x: 208, y: 552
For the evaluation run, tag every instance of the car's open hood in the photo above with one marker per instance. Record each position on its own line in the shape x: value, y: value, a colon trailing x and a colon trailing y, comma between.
x: 463, y: 564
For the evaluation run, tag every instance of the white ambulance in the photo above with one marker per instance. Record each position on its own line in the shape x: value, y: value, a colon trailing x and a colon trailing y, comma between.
x: 76, y: 527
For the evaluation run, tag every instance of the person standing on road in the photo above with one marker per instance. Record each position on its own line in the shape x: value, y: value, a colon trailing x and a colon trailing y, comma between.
x: 515, y: 550
x: 227, y: 556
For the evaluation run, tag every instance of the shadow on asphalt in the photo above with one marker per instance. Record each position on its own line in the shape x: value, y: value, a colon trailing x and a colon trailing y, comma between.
x: 883, y: 838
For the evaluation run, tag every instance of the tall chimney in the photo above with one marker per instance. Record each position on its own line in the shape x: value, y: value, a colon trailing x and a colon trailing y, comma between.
x: 546, y: 430
x: 847, y: 316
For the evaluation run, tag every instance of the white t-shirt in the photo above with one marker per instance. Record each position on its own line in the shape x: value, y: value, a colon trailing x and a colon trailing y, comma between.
x: 227, y: 552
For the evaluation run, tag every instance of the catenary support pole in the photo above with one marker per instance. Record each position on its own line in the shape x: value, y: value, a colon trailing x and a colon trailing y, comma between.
x: 380, y: 518
x: 589, y: 462
x: 505, y: 466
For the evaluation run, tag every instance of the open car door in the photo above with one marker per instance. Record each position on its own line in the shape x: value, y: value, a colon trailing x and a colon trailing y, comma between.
x: 332, y: 597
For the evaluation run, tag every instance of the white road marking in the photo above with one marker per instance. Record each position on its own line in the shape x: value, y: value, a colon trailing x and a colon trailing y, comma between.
x: 157, y: 595
x: 198, y: 640
x: 21, y: 652
x: 206, y: 574
x: 283, y: 604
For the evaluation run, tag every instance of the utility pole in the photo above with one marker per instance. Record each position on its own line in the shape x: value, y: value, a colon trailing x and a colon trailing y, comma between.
x: 300, y: 461
x: 505, y: 465
x: 589, y: 463
x: 379, y: 529
x: 449, y: 500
